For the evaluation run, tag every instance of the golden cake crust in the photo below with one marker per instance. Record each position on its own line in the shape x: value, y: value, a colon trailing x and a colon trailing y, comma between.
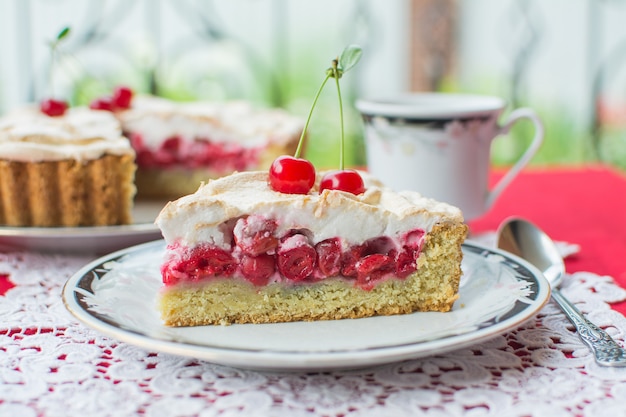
x: 97, y: 192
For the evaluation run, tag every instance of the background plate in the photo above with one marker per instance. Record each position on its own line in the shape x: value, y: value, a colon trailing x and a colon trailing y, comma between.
x: 117, y: 296
x: 98, y: 240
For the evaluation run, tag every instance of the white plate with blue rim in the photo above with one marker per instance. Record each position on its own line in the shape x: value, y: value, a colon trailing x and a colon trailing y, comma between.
x: 117, y: 296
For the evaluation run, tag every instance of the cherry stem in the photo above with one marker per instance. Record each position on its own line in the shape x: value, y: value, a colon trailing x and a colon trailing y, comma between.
x: 341, y: 146
x: 50, y: 75
x: 308, y: 120
x: 54, y: 45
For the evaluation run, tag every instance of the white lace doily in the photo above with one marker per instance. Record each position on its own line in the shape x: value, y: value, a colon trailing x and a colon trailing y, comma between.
x: 50, y: 365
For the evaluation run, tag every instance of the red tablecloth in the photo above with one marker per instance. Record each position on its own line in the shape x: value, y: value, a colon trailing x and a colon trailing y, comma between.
x: 582, y: 205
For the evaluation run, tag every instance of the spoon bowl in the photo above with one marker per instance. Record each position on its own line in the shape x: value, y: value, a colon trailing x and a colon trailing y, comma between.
x: 527, y: 241
x: 522, y: 238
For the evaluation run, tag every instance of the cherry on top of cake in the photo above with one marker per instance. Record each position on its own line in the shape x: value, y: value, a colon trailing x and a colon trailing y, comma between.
x: 119, y: 100
x: 296, y: 175
x: 53, y: 107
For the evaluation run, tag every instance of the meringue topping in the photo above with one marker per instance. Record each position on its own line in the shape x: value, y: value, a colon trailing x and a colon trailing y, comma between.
x: 28, y: 135
x: 380, y: 211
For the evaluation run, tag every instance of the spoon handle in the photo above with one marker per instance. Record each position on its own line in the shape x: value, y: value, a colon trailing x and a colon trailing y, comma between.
x: 606, y: 351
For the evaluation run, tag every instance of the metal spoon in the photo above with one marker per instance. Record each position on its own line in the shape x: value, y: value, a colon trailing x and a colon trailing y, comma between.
x: 527, y: 241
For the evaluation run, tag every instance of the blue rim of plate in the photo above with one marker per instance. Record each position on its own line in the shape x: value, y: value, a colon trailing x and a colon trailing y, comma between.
x: 285, y: 360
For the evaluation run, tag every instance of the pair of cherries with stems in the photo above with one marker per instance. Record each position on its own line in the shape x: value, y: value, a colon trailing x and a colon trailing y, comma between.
x: 120, y: 99
x: 295, y: 175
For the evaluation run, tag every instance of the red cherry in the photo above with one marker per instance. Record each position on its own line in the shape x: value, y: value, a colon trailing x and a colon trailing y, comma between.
x: 372, y: 267
x: 172, y: 144
x: 345, y: 180
x: 296, y: 258
x: 255, y: 235
x: 171, y: 276
x: 206, y: 262
x: 122, y: 97
x: 53, y: 107
x: 349, y: 260
x: 291, y: 175
x: 406, y: 263
x: 258, y: 269
x: 215, y: 261
x: 102, y: 103
x: 329, y: 256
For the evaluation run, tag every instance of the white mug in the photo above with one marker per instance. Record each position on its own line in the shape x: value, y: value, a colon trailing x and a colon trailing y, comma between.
x: 439, y: 144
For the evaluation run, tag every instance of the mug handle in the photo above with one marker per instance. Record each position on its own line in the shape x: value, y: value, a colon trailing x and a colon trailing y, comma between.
x: 522, y: 113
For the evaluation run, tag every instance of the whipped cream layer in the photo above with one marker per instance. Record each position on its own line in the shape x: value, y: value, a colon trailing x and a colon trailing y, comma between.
x: 196, y: 218
x: 28, y: 135
x: 158, y: 119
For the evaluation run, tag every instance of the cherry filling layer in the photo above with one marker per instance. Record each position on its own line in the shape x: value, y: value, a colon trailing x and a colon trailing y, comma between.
x: 199, y: 153
x: 258, y: 254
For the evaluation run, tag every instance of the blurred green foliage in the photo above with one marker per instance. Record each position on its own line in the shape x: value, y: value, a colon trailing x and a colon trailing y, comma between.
x: 564, y: 143
x: 567, y: 141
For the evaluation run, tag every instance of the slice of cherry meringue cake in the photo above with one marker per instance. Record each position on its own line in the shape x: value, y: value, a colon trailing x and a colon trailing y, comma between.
x: 240, y: 252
